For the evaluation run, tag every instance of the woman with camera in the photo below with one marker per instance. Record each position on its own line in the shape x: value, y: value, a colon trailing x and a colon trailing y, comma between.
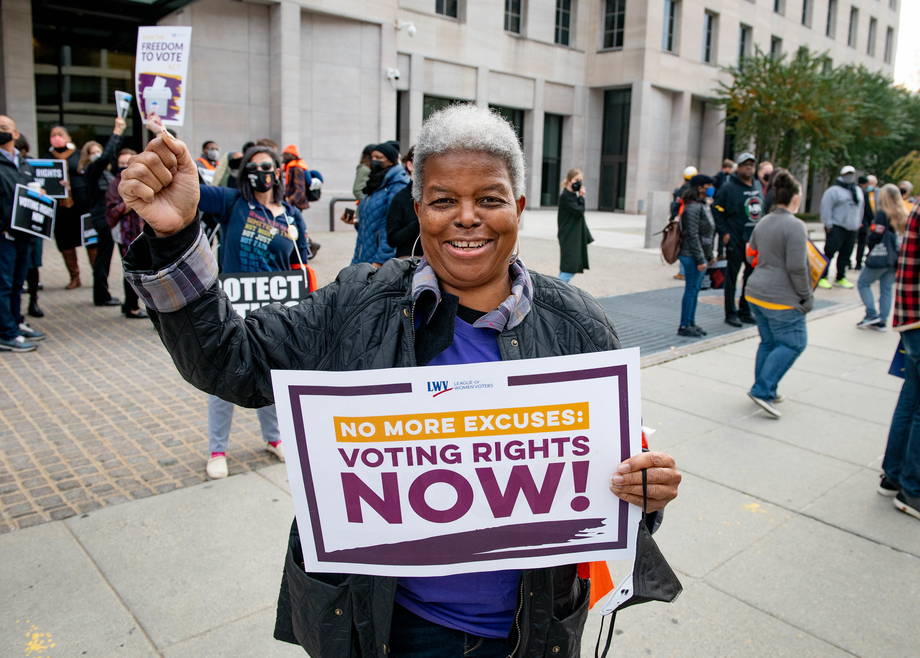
x: 574, y: 236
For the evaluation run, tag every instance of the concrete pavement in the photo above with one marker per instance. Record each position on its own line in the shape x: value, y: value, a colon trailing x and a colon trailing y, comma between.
x: 782, y: 544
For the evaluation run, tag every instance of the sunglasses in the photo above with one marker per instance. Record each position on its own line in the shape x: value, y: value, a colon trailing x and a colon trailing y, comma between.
x: 264, y: 166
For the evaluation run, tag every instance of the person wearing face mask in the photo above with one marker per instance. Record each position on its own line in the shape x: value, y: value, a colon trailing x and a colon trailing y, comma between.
x: 233, y: 170
x: 737, y: 208
x: 907, y: 189
x: 779, y: 291
x: 125, y: 226
x: 868, y: 184
x: 94, y: 165
x: 255, y: 223
x: 842, y: 215
x: 571, y: 227
x: 387, y: 177
x: 402, y: 220
x: 15, y: 334
x: 36, y: 248
x: 67, y: 229
x: 696, y: 249
x: 207, y: 161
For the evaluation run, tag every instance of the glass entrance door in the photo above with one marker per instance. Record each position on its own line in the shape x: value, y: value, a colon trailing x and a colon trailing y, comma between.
x: 614, y: 149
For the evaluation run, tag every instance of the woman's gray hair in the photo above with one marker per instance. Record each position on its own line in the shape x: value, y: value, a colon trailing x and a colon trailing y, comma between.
x: 467, y: 127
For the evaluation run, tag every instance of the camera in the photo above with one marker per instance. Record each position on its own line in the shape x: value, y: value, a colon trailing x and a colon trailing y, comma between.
x: 393, y: 74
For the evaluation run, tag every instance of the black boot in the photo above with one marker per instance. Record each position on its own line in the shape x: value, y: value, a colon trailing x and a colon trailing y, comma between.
x: 32, y: 282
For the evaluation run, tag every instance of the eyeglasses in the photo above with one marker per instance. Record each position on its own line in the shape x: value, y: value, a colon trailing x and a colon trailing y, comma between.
x: 264, y: 166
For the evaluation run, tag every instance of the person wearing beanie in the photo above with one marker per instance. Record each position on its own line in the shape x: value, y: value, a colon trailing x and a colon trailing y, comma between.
x: 842, y: 215
x: 387, y: 177
x: 696, y: 248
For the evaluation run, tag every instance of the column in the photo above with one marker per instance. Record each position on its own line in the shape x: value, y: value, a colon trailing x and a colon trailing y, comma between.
x: 416, y: 95
x: 388, y: 93
x: 533, y: 144
x: 285, y: 73
x: 713, y: 139
x: 482, y: 86
x: 17, y: 71
x: 639, y: 139
x: 680, y: 131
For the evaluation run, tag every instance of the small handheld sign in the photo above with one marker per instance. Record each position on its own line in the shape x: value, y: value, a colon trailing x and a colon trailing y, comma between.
x: 123, y: 103
x: 33, y: 212
x: 88, y: 234
x: 249, y: 291
x: 51, y: 174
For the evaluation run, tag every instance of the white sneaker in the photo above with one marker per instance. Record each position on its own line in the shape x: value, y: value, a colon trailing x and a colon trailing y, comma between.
x: 217, y: 468
x: 277, y: 451
x: 766, y: 406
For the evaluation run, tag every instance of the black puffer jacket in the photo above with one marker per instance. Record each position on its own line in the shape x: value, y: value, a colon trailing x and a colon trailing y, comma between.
x: 698, y: 229
x: 362, y: 321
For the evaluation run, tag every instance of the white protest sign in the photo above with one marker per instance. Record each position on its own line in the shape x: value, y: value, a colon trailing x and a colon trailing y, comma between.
x: 455, y: 469
x: 161, y: 71
x: 122, y: 103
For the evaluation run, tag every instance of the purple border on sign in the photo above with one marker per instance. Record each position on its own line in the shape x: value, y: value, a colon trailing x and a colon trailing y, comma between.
x: 502, y: 542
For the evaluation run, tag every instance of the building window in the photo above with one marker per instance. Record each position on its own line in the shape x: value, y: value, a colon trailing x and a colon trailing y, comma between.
x: 447, y: 7
x: 513, y: 16
x: 614, y: 22
x: 552, y: 159
x: 563, y: 22
x: 828, y: 66
x: 431, y: 104
x: 744, y: 41
x: 854, y: 24
x: 807, y: 6
x: 893, y: 4
x: 889, y: 42
x: 776, y: 47
x: 513, y: 116
x: 710, y: 23
x: 669, y: 31
x: 831, y: 18
x: 873, y: 28
x: 779, y: 6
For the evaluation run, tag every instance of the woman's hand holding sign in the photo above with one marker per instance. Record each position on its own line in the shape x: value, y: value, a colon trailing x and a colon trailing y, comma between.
x: 662, y: 478
x: 161, y: 185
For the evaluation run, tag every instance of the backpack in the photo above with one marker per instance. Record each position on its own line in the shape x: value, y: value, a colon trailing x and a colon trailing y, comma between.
x: 885, y: 253
x: 672, y: 237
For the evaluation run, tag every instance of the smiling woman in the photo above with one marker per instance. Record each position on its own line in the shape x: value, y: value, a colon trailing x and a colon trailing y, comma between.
x: 470, y: 299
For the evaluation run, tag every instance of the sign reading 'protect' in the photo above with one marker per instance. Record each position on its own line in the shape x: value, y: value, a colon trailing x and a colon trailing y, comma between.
x: 452, y: 469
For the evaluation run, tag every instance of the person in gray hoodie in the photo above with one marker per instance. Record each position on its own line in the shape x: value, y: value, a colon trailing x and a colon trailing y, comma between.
x: 779, y: 290
x: 841, y: 214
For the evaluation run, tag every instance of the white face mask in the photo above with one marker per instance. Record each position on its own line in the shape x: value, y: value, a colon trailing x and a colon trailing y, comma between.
x: 94, y: 157
x: 214, y: 154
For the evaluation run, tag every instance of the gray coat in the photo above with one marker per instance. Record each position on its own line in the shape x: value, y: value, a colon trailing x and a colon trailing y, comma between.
x: 839, y: 209
x: 782, y: 275
x: 698, y: 230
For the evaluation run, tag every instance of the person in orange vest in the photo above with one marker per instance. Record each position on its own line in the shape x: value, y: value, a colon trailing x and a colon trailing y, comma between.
x: 301, y: 185
x: 207, y: 161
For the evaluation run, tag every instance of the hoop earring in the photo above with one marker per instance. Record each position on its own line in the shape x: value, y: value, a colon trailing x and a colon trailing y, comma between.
x: 414, y: 244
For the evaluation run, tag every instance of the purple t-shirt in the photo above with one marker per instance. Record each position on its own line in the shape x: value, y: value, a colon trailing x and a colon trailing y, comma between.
x: 479, y: 603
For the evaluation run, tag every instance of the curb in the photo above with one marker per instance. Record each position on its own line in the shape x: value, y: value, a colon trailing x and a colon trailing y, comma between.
x: 734, y: 337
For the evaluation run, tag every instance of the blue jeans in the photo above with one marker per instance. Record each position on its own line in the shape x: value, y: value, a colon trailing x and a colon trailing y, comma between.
x: 14, y: 264
x: 414, y: 637
x: 783, y: 337
x: 902, y: 456
x: 693, y: 279
x: 885, y: 277
x: 220, y: 418
x: 566, y: 276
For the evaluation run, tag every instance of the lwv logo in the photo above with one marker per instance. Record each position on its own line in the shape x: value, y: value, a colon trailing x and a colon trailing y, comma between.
x: 438, y: 387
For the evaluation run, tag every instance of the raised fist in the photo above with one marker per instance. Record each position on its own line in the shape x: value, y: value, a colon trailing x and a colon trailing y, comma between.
x: 161, y: 185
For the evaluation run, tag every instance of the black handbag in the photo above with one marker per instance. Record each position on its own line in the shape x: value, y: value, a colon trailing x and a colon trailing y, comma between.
x: 885, y: 253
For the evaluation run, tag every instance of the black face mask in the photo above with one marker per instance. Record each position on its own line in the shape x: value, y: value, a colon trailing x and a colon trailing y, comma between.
x: 903, y: 192
x: 576, y: 186
x: 262, y: 181
x: 118, y: 170
x: 376, y: 166
x: 235, y: 163
x: 766, y: 178
x: 6, y: 138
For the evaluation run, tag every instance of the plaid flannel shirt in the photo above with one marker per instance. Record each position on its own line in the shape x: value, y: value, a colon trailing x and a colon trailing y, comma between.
x: 181, y: 283
x: 907, y: 289
x: 509, y: 314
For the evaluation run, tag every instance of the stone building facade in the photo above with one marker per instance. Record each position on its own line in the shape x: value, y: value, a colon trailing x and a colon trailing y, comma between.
x: 617, y: 88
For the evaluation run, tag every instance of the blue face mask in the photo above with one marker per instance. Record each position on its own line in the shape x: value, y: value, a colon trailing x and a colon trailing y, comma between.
x: 710, y: 192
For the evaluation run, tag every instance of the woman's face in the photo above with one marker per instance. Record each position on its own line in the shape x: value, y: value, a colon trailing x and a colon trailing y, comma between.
x: 124, y: 160
x: 259, y: 158
x: 95, y: 150
x: 468, y: 219
x: 59, y: 137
